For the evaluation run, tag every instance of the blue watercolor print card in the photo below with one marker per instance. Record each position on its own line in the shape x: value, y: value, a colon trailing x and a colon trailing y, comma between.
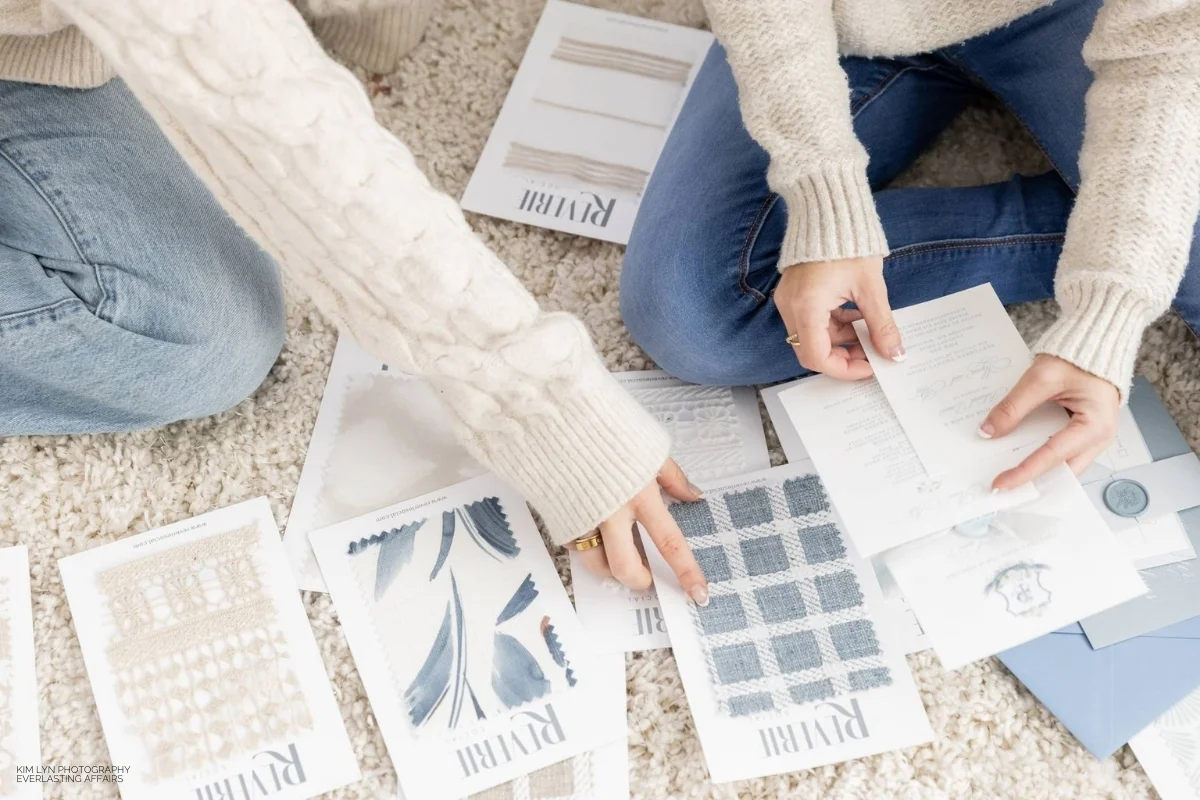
x: 471, y: 653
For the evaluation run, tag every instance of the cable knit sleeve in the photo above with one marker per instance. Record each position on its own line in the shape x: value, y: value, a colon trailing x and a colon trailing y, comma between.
x: 287, y: 141
x: 1130, y: 233
x: 795, y: 102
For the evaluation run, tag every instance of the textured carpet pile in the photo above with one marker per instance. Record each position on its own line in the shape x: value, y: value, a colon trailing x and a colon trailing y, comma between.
x: 62, y: 495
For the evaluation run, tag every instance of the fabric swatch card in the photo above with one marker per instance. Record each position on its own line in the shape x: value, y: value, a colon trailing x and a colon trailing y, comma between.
x: 786, y: 667
x: 20, y: 733
x: 381, y: 436
x: 585, y: 120
x: 963, y: 356
x: 1169, y: 750
x: 883, y: 494
x: 475, y: 663
x: 202, y: 662
x: 1002, y: 580
x: 897, y: 617
x: 716, y: 432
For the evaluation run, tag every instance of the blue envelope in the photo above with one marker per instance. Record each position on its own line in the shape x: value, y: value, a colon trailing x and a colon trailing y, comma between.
x: 1107, y: 696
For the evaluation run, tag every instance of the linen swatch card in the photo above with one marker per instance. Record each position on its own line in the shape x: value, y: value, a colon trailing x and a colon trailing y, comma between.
x: 786, y: 668
x: 476, y: 666
x: 1169, y: 750
x: 716, y: 432
x: 585, y: 120
x: 882, y: 492
x: 19, y: 729
x: 994, y: 583
x: 202, y: 662
x: 963, y: 356
x: 381, y: 436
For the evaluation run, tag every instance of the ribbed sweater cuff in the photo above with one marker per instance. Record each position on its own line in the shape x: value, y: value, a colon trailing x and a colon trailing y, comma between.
x: 583, y: 462
x: 831, y: 215
x: 1099, y: 330
x: 376, y: 40
x: 63, y: 58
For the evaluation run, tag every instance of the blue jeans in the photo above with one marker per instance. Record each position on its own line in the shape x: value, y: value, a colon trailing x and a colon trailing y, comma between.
x: 697, y: 283
x: 128, y: 298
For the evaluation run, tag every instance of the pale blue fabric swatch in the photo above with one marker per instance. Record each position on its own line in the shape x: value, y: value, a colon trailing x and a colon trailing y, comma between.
x: 694, y: 519
x: 822, y: 543
x: 750, y: 704
x: 808, y: 692
x: 805, y: 496
x: 737, y: 662
x: 870, y: 678
x: 780, y: 603
x: 713, y: 563
x: 838, y: 591
x: 722, y: 614
x: 796, y: 651
x: 854, y: 639
x: 764, y: 555
x: 749, y: 508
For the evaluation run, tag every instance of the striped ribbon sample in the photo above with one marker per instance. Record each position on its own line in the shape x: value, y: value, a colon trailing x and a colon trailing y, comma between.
x: 623, y: 59
x: 521, y: 156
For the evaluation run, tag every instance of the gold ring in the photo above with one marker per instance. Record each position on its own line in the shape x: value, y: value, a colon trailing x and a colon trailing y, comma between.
x: 588, y: 542
x: 793, y: 340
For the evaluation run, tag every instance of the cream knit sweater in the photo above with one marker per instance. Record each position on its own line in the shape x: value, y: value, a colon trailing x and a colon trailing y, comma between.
x: 287, y: 141
x: 1129, y: 235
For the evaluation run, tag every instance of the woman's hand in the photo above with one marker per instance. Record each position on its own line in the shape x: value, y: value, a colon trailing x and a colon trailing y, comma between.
x: 810, y: 299
x: 1093, y: 403
x: 621, y: 557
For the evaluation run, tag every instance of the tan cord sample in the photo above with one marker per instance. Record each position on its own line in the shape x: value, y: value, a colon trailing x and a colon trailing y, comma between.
x: 622, y: 59
x: 567, y: 780
x: 521, y: 156
x: 200, y: 661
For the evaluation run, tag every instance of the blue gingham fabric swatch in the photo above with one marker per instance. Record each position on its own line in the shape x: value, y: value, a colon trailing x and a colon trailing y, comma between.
x: 787, y: 622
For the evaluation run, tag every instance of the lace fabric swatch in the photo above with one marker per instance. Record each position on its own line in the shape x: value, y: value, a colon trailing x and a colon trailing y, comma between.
x: 787, y: 623
x: 201, y: 665
x: 572, y: 779
x: 704, y: 426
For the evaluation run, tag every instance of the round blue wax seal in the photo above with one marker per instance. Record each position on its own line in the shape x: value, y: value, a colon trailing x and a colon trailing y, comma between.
x: 1126, y: 498
x: 976, y: 527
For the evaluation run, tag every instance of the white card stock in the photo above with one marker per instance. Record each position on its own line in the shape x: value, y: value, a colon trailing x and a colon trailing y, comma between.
x: 585, y: 120
x: 202, y: 662
x: 1169, y: 750
x: 716, y: 432
x: 477, y: 668
x: 963, y: 356
x: 381, y: 436
x: 20, y: 748
x: 785, y: 668
x: 997, y: 582
x: 880, y: 489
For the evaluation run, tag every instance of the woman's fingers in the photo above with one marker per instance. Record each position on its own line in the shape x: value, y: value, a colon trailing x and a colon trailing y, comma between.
x: 676, y: 484
x: 595, y: 561
x: 624, y: 560
x: 665, y: 533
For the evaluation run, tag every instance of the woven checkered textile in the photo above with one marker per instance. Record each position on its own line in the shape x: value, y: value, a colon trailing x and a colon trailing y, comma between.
x: 786, y: 622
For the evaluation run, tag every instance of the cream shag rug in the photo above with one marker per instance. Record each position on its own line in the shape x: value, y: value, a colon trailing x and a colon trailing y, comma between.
x: 65, y: 494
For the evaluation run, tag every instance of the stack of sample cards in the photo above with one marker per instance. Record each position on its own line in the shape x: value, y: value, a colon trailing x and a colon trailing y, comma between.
x: 585, y: 120
x: 202, y: 662
x: 716, y: 432
x: 20, y: 741
x: 911, y: 479
x: 381, y: 436
x: 475, y: 663
x: 786, y: 667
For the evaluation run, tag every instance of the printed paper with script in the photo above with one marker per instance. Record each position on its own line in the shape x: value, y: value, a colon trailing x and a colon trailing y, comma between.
x: 786, y: 668
x: 716, y: 432
x: 1004, y: 579
x: 585, y: 120
x: 204, y: 667
x: 474, y: 661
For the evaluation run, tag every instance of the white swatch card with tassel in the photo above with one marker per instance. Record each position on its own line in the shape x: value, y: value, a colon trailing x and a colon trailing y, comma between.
x: 585, y: 120
x: 716, y: 432
x: 203, y: 664
x: 476, y: 666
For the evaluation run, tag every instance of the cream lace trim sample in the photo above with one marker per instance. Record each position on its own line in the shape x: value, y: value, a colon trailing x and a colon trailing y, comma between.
x: 200, y: 660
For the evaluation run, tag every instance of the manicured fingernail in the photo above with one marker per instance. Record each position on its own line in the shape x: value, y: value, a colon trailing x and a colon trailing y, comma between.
x: 986, y: 430
x: 699, y: 594
x: 897, y: 353
x: 696, y: 490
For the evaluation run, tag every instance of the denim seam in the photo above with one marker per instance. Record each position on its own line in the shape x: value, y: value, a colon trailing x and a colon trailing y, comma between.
x: 884, y: 85
x: 62, y: 221
x: 748, y: 246
x: 47, y: 310
x: 978, y: 81
x: 964, y: 244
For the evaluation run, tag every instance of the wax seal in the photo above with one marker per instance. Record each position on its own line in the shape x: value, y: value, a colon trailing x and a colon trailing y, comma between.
x: 976, y: 527
x: 1126, y: 498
